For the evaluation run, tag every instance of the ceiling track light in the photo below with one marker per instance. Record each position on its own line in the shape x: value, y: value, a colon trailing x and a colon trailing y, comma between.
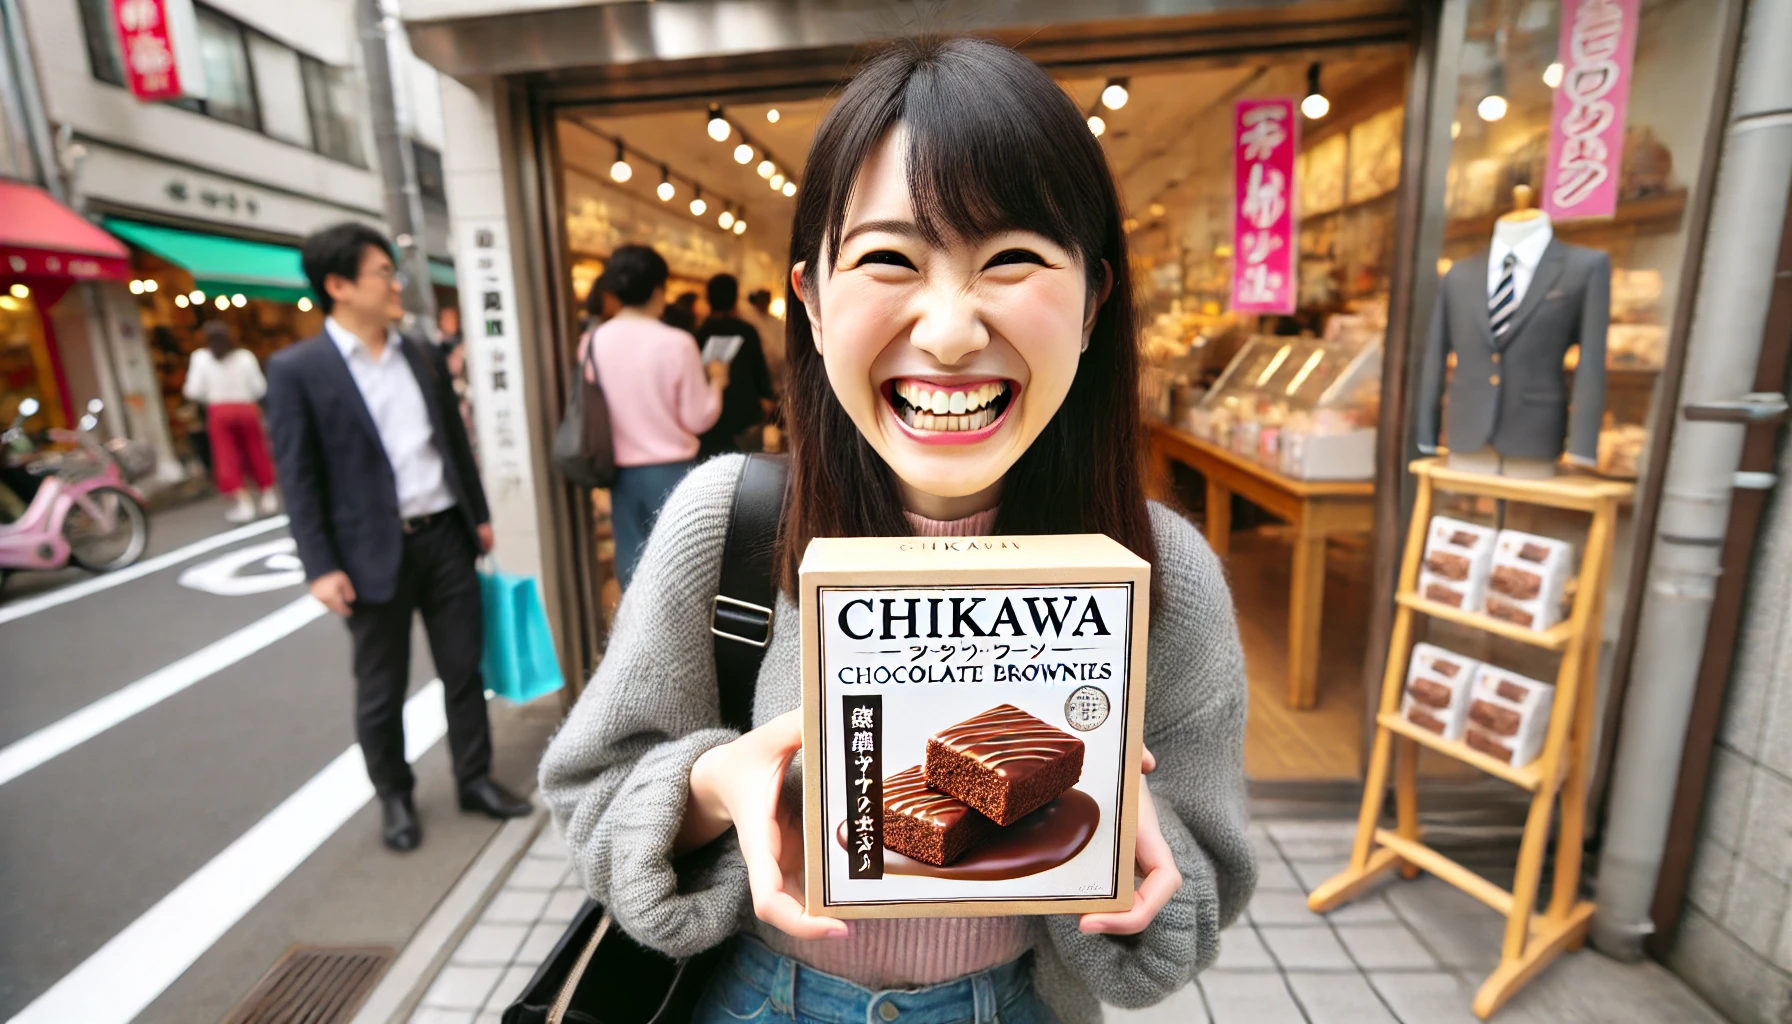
x: 740, y: 226
x: 1097, y: 125
x: 620, y: 171
x: 697, y: 203
x: 718, y: 125
x: 726, y: 220
x: 789, y: 188
x: 666, y: 190
x: 766, y: 168
x: 1314, y: 105
x: 1115, y: 94
x: 1493, y: 105
x: 772, y: 115
x: 743, y: 154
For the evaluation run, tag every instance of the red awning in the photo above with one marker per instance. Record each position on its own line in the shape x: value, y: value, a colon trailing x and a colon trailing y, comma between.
x: 41, y: 238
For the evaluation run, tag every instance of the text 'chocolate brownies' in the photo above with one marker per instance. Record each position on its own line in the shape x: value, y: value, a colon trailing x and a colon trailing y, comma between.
x: 1004, y: 763
x: 926, y: 824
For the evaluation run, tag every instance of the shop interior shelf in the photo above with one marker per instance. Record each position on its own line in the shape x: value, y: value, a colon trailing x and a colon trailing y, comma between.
x: 1647, y: 215
x: 1554, y: 638
x: 1529, y: 777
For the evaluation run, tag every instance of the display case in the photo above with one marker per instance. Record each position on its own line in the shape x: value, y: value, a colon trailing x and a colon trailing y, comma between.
x: 1306, y: 407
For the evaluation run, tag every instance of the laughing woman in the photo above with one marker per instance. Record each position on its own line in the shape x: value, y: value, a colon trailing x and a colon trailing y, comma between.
x: 963, y: 360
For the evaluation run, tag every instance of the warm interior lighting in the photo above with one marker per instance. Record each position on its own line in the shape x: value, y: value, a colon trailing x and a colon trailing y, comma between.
x: 150, y: 285
x: 136, y: 287
x: 196, y: 296
x: 777, y: 307
x: 789, y: 188
x: 304, y: 304
x: 1115, y: 95
x: 718, y: 125
x: 239, y: 300
x: 772, y: 115
x: 726, y: 220
x: 1552, y: 75
x: 767, y: 169
x: 1491, y: 108
x: 181, y: 301
x: 777, y: 181
x: 666, y: 191
x: 1314, y: 105
x: 620, y: 171
x: 743, y: 154
x: 740, y: 227
x: 1455, y: 128
x: 19, y: 291
x: 1097, y: 125
x: 222, y: 302
x: 698, y: 205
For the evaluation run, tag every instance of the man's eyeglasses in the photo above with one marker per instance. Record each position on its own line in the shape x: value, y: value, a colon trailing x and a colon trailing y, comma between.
x: 392, y: 275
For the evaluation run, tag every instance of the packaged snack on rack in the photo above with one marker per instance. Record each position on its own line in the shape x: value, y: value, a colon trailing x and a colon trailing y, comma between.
x: 1437, y: 690
x: 1458, y: 557
x: 1508, y: 715
x: 1529, y: 572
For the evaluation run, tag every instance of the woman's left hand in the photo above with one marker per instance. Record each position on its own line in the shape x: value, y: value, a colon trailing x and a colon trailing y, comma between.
x: 1162, y: 879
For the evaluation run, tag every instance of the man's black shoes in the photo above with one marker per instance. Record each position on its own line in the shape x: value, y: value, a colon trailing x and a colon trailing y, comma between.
x: 400, y: 829
x: 492, y: 800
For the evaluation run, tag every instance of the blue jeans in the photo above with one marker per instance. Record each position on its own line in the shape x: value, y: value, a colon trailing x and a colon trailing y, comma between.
x: 635, y: 502
x: 754, y: 984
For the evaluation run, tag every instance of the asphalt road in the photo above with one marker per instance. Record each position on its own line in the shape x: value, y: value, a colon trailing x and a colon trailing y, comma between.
x: 113, y: 800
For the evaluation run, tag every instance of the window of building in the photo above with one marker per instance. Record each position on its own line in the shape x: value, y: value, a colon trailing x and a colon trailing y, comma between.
x: 103, y: 56
x: 429, y: 171
x: 230, y: 89
x: 334, y: 98
x: 281, y: 88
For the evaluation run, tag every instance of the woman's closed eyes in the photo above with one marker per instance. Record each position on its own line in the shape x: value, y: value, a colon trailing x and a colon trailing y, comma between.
x: 1005, y: 258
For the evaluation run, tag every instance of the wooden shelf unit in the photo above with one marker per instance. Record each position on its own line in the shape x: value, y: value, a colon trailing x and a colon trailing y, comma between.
x: 1533, y: 939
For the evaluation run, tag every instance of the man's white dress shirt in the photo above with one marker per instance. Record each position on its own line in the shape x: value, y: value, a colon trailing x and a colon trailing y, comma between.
x: 395, y: 399
x: 1529, y: 252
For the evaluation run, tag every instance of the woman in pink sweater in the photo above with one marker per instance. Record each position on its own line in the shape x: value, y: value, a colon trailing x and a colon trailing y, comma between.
x: 660, y: 394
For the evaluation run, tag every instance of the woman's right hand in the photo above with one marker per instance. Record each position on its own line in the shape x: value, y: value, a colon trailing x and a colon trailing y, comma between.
x: 718, y: 374
x: 740, y: 784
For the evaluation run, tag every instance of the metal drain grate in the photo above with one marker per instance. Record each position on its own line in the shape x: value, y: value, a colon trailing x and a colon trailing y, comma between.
x: 313, y: 985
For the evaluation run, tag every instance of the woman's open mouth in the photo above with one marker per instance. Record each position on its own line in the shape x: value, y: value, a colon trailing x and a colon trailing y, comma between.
x: 949, y: 412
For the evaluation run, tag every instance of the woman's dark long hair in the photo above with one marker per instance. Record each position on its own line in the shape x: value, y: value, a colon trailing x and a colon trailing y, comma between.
x: 219, y: 338
x: 993, y: 145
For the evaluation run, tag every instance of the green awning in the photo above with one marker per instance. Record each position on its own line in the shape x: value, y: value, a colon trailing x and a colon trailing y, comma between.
x: 222, y: 265
x: 441, y: 274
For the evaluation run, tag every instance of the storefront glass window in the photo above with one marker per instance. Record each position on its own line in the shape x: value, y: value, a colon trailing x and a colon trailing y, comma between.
x: 103, y: 58
x: 333, y: 97
x: 230, y: 92
x: 26, y: 370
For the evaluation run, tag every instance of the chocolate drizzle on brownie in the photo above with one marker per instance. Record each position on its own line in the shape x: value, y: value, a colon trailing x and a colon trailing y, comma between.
x: 1004, y: 762
x: 1008, y: 741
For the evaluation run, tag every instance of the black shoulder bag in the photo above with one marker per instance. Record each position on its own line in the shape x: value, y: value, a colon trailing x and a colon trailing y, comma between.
x: 583, y: 450
x: 596, y: 973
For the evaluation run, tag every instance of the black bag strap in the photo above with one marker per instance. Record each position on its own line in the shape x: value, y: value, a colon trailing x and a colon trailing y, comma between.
x: 741, y: 616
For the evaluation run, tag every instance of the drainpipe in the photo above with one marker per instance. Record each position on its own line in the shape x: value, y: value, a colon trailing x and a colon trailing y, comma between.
x: 21, y: 90
x: 1723, y: 349
x: 384, y: 52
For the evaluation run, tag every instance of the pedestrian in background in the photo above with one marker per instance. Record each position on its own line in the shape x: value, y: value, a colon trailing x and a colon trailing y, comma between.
x: 771, y: 333
x: 226, y: 379
x: 661, y: 396
x: 749, y: 400
x: 682, y: 313
x: 389, y: 515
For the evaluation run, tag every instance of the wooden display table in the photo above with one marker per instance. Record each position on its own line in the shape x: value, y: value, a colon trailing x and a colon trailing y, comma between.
x: 1316, y: 509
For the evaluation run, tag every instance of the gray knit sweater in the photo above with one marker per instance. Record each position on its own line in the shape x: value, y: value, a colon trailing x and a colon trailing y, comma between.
x: 616, y: 776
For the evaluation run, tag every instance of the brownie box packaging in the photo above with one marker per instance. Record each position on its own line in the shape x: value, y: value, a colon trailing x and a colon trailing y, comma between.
x: 1437, y: 690
x: 1458, y: 557
x: 1508, y: 715
x: 1528, y: 576
x: 972, y: 724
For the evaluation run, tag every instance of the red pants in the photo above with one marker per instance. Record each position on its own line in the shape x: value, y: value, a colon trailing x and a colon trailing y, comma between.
x: 238, y: 443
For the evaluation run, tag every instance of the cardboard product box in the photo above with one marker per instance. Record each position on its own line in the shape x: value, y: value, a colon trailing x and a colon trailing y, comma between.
x: 1508, y: 715
x: 972, y: 724
x: 1437, y: 690
x: 1458, y: 557
x: 1525, y: 584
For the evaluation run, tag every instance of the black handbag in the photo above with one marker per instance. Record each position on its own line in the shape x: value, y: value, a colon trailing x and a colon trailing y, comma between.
x: 596, y: 974
x: 584, y: 451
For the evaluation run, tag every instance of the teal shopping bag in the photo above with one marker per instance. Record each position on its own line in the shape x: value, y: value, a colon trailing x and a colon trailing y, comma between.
x: 519, y: 662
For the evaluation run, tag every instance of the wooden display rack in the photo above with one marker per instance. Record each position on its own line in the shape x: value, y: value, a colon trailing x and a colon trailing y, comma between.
x: 1532, y: 940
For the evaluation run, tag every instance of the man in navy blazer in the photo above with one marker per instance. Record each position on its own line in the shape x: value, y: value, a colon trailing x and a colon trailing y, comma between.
x: 388, y: 513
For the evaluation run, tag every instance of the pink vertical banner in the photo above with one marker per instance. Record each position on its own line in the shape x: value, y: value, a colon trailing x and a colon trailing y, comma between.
x: 1586, y: 131
x: 1265, y: 139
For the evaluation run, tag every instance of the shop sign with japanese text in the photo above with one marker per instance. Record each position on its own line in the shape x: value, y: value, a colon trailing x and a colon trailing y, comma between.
x: 1265, y: 140
x: 159, y: 43
x: 1586, y: 133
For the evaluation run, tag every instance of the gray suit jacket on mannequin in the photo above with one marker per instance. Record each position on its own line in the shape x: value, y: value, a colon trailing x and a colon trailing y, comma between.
x: 1511, y: 395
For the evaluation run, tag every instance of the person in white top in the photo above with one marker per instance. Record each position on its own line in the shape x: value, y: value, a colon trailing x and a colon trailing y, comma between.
x: 225, y: 378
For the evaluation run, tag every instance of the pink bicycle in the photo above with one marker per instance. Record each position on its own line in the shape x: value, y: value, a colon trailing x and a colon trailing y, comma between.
x: 84, y: 511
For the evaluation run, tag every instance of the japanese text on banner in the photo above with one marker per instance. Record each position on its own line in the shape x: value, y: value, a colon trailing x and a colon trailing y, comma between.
x: 1586, y: 130
x: 862, y: 718
x: 1264, y: 250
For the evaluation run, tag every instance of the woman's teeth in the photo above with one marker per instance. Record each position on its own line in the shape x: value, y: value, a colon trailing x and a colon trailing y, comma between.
x: 926, y: 408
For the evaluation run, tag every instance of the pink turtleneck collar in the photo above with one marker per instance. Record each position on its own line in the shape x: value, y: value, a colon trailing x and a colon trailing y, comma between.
x: 978, y: 524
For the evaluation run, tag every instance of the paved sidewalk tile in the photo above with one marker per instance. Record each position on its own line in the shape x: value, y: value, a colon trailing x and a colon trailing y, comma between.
x: 1339, y: 999
x: 1307, y: 948
x: 517, y: 906
x: 548, y: 844
x: 1183, y: 1007
x: 436, y: 1015
x: 1249, y: 999
x: 1368, y: 909
x: 1242, y: 950
x: 1438, y: 998
x: 1384, y: 947
x: 563, y: 906
x: 462, y: 988
x: 490, y: 945
x: 1313, y: 873
x: 539, y: 944
x: 1273, y: 875
x: 1282, y: 908
x: 508, y: 988
x: 538, y: 873
x: 1464, y: 932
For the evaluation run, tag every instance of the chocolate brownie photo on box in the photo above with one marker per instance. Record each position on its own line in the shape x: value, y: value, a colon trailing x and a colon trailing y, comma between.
x: 1515, y: 582
x: 1430, y: 691
x: 1443, y: 594
x: 1004, y: 762
x: 926, y: 824
x: 1447, y: 564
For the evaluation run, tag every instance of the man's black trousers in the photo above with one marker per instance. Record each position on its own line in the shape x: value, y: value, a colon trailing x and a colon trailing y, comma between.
x: 436, y: 578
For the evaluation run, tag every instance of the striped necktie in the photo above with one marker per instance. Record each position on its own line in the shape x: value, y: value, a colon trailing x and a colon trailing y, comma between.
x: 1504, y: 300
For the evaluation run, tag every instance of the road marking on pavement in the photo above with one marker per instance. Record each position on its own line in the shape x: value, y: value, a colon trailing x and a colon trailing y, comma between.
x: 125, y: 975
x: 76, y: 591
x: 119, y: 705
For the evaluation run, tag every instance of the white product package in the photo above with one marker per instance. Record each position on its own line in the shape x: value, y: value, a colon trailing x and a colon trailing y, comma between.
x: 1526, y: 582
x: 1437, y: 690
x: 1508, y: 715
x: 1458, y: 558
